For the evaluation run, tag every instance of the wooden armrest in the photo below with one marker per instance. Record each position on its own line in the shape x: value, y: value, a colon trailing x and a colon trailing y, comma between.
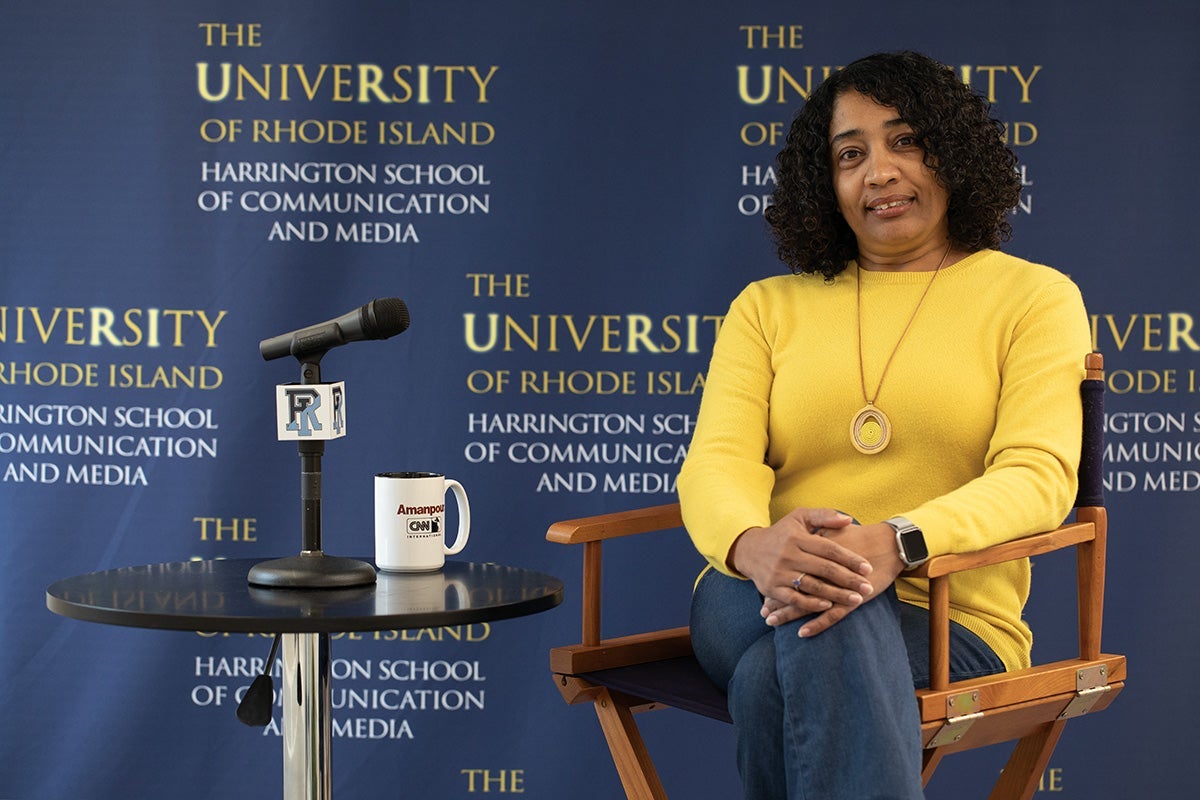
x: 611, y: 526
x: 591, y: 532
x: 665, y: 517
x: 1026, y: 547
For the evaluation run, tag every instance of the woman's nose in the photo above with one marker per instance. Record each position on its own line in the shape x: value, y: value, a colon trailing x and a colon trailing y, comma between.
x: 881, y: 169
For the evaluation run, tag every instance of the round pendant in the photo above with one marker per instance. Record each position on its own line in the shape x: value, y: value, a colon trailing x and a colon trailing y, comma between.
x: 870, y: 431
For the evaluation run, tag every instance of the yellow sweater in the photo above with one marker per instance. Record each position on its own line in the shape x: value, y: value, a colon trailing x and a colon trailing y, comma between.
x: 983, y: 398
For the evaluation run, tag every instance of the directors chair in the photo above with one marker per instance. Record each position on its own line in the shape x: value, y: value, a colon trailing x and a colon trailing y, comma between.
x: 628, y: 674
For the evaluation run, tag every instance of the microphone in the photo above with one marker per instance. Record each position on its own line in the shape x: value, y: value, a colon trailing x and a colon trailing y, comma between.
x: 255, y: 708
x: 378, y: 319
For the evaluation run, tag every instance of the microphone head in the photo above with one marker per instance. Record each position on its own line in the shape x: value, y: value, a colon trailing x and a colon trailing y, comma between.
x: 384, y: 318
x: 255, y: 708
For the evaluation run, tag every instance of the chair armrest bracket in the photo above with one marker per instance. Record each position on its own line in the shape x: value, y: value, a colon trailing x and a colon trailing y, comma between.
x: 953, y: 730
x: 962, y: 710
x: 1090, y: 685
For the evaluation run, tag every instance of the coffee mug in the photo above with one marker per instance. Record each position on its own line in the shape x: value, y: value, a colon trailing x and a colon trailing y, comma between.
x: 410, y: 521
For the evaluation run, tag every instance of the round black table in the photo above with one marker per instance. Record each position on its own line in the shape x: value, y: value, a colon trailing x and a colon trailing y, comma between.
x: 214, y: 596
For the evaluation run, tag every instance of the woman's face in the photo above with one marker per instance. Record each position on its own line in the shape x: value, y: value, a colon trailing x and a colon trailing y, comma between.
x: 889, y: 197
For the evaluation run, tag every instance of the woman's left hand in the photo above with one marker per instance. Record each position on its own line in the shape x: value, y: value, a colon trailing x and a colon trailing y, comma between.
x: 876, y: 543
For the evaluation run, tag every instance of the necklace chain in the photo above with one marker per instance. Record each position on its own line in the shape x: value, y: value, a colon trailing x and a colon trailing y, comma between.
x: 870, y: 430
x: 861, y: 364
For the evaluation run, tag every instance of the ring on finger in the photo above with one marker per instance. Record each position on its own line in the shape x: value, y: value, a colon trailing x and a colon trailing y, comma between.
x: 796, y: 581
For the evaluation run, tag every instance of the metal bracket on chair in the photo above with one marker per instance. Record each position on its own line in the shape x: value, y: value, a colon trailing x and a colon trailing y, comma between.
x: 961, y: 712
x: 1090, y: 685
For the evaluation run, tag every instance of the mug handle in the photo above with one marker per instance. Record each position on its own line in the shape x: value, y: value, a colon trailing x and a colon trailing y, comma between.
x: 464, y: 518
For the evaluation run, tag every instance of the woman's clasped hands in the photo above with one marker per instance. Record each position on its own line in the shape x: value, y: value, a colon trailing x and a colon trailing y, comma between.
x: 818, y: 563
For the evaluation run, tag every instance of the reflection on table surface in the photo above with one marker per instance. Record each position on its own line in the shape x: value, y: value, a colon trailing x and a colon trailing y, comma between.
x: 215, y: 596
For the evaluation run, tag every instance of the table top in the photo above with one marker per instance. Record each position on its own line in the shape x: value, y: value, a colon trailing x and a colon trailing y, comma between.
x: 215, y: 596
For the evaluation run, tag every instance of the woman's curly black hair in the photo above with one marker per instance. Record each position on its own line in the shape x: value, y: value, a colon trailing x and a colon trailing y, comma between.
x: 963, y: 144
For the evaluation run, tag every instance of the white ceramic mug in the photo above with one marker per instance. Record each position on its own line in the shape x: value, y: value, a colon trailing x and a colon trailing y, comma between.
x: 410, y: 521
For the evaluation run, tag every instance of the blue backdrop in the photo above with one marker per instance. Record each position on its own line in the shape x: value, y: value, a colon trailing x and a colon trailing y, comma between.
x: 567, y: 195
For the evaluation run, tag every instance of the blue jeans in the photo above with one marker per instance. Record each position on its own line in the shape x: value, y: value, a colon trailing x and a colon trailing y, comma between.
x: 829, y: 717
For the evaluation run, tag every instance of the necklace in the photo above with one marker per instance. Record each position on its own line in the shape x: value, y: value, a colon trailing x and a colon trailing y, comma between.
x: 870, y: 430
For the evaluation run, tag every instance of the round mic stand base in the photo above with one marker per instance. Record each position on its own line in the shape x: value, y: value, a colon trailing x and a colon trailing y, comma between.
x: 312, y: 570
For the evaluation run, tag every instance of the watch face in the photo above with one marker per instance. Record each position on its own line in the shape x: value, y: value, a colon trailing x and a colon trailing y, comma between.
x: 913, y: 543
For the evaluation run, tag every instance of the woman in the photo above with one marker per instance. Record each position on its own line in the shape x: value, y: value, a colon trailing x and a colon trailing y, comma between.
x: 907, y: 374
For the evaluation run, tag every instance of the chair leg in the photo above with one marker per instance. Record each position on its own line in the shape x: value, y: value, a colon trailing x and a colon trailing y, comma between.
x: 1028, y: 761
x: 929, y: 762
x: 629, y: 753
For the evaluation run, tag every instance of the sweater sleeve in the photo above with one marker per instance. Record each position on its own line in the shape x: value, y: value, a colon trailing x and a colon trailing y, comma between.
x: 725, y: 485
x: 1031, y: 468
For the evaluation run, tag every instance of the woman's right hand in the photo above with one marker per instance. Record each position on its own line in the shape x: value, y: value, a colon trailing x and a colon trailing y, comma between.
x: 776, y: 556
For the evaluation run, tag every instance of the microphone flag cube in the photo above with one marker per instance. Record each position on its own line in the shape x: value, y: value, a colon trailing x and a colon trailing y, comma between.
x: 307, y: 411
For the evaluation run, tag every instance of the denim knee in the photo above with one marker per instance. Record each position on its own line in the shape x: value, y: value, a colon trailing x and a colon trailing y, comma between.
x: 725, y: 622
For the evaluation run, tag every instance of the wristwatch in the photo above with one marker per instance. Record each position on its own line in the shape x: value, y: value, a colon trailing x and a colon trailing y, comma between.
x: 910, y: 540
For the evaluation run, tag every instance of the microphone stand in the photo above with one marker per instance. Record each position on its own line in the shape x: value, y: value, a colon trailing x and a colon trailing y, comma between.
x: 307, y: 727
x: 312, y: 568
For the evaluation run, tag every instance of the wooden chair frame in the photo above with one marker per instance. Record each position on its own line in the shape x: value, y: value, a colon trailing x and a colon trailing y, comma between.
x: 1030, y: 705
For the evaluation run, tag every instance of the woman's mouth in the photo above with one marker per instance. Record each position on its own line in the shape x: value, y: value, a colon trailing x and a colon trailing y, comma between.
x: 889, y: 207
